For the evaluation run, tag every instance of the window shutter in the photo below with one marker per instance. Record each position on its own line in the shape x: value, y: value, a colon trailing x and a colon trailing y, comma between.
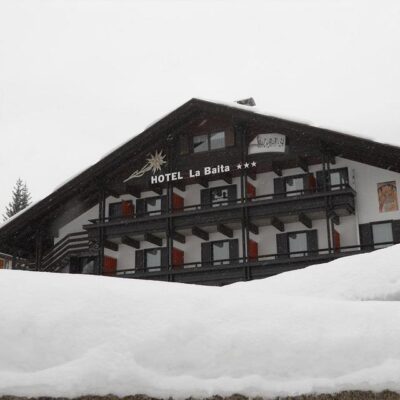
x: 177, y: 258
x: 312, y: 242
x: 127, y: 208
x: 251, y: 190
x: 164, y: 204
x: 229, y: 137
x: 252, y: 250
x: 311, y: 183
x: 139, y: 260
x: 282, y: 245
x: 396, y: 230
x: 366, y: 238
x: 110, y: 265
x: 206, y: 254
x: 183, y: 144
x: 234, y: 250
x: 279, y: 187
x: 320, y: 181
x: 232, y: 194
x: 140, y: 207
x: 205, y: 198
x: 336, y: 240
x: 164, y: 258
x: 177, y: 202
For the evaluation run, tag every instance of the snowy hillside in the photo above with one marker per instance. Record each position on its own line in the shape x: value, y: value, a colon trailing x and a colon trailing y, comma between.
x: 323, y: 329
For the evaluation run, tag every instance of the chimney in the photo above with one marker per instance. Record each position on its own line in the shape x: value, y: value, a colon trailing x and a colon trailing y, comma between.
x: 247, y: 102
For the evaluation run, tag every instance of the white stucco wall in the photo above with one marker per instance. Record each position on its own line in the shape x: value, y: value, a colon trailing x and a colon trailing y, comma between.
x: 363, y: 178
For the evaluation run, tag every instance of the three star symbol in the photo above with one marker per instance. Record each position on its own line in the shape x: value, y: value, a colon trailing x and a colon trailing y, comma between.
x: 246, y: 165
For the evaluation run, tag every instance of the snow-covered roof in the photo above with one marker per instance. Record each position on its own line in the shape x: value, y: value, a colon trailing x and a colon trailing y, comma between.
x: 200, y: 102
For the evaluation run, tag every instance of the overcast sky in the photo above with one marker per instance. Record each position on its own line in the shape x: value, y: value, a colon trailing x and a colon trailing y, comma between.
x: 78, y: 78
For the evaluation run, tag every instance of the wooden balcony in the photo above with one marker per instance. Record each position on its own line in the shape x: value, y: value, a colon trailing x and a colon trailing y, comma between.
x: 224, y: 272
x: 286, y: 206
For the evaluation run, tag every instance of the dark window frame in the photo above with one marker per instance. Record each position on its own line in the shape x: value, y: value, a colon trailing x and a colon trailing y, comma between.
x: 304, y: 176
x: 208, y: 192
x: 372, y: 224
x: 213, y: 242
x: 208, y: 134
x: 146, y: 199
x: 114, y: 204
x: 145, y: 251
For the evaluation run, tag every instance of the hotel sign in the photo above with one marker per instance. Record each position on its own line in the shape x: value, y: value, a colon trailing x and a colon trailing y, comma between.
x: 268, y: 143
x: 156, y: 161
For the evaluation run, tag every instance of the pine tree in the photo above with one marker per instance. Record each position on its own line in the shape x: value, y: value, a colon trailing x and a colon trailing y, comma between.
x: 21, y: 199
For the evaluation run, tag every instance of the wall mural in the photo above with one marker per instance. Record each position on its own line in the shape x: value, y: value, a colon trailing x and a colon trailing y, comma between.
x: 387, y: 196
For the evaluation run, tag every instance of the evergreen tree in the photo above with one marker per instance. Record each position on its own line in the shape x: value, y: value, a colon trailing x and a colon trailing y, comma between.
x: 21, y: 198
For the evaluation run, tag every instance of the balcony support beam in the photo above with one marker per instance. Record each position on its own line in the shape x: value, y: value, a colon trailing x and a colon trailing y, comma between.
x: 252, y: 228
x: 111, y: 245
x: 225, y: 230
x: 277, y: 168
x: 306, y: 221
x: 200, y: 233
x: 303, y: 163
x: 130, y: 242
x: 149, y: 237
x: 278, y: 224
x: 178, y: 237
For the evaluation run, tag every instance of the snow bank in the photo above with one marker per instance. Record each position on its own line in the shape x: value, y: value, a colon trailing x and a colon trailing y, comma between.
x: 300, y: 332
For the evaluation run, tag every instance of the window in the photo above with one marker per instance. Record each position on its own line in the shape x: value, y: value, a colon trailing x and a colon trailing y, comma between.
x: 217, y: 140
x: 153, y: 206
x: 298, y: 243
x: 336, y: 179
x: 219, y: 196
x: 220, y: 251
x: 121, y: 209
x: 200, y: 143
x: 295, y: 185
x: 339, y: 179
x: 153, y: 260
x: 211, y: 141
x: 382, y: 233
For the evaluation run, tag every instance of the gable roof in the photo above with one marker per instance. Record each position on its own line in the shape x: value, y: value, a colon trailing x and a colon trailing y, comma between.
x: 382, y: 155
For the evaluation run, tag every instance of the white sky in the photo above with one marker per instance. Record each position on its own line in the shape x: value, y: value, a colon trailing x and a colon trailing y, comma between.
x: 77, y: 78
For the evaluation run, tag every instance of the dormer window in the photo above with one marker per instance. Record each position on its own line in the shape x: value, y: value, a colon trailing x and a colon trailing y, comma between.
x: 209, y: 141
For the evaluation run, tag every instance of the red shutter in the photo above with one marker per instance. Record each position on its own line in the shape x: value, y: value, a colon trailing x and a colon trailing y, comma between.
x: 177, y: 258
x: 251, y: 191
x: 2, y: 263
x: 177, y: 202
x: 312, y: 183
x: 336, y: 240
x: 128, y: 208
x: 252, y: 250
x: 110, y: 265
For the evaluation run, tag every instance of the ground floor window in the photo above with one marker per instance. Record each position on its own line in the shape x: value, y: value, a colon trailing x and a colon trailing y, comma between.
x: 382, y: 233
x: 153, y: 259
x: 298, y: 244
x: 220, y: 252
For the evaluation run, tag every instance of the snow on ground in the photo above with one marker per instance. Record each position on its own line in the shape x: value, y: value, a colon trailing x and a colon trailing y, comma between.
x: 323, y: 329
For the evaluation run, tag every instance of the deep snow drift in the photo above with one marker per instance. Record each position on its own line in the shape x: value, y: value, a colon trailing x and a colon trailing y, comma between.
x: 327, y: 328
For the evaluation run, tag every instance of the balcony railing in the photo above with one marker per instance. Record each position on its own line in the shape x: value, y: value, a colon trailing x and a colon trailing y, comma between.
x: 289, y: 195
x: 264, y: 261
